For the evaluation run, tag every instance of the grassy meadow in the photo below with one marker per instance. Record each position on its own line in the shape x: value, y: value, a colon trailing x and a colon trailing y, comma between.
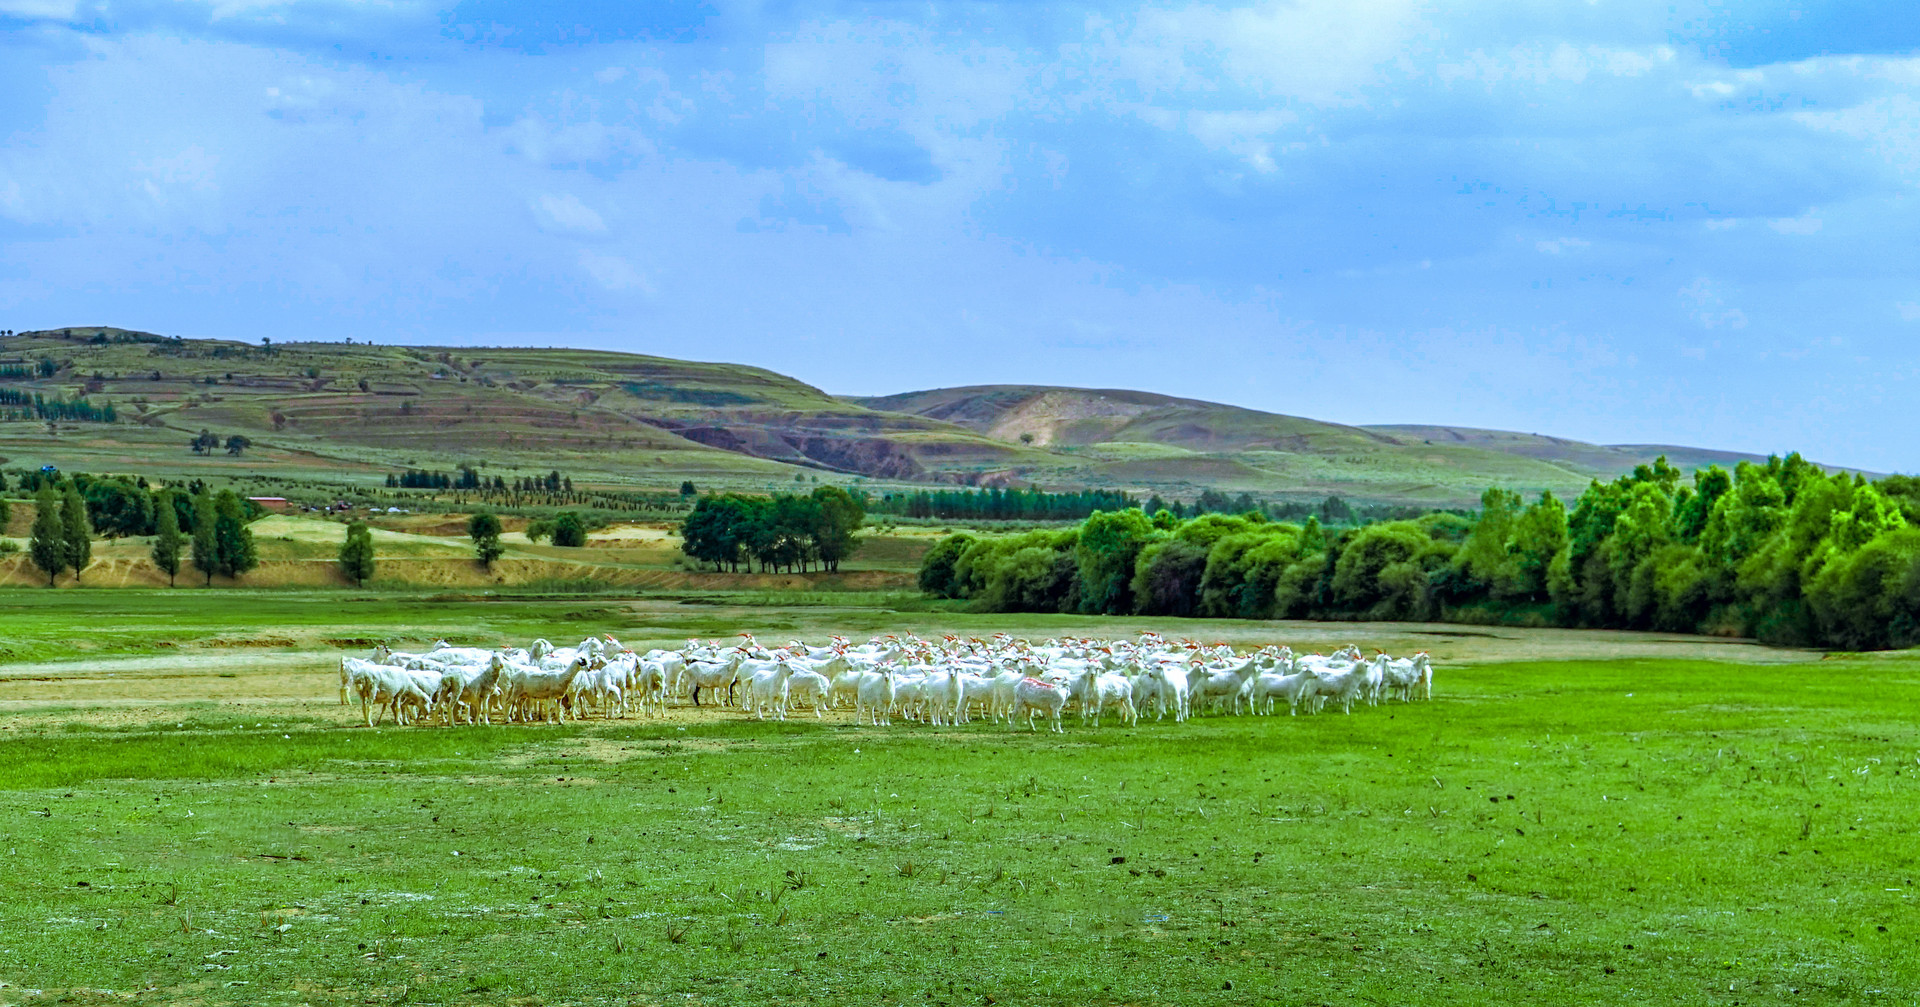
x: 1575, y: 817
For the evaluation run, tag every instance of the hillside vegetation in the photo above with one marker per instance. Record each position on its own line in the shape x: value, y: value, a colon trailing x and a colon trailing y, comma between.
x: 355, y: 412
x: 1140, y: 437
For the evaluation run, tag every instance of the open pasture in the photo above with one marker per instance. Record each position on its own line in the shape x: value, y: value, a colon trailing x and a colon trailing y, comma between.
x: 1591, y: 817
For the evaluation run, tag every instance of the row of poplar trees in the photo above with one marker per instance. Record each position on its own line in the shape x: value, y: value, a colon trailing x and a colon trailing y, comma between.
x: 62, y: 536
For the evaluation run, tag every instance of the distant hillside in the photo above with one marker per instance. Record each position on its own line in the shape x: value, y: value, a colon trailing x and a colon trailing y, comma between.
x: 1596, y: 458
x: 619, y: 418
x: 1120, y: 434
x: 355, y: 412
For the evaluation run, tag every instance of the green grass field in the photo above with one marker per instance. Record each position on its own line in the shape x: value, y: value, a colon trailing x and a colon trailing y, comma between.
x: 1591, y: 830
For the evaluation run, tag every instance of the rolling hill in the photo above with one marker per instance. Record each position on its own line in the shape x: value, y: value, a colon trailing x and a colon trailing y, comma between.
x: 1118, y: 433
x: 355, y: 412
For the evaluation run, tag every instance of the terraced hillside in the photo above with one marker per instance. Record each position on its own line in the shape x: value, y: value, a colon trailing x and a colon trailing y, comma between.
x: 364, y: 410
x: 356, y: 412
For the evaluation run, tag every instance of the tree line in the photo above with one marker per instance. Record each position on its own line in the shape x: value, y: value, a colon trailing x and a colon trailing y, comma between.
x: 17, y: 404
x: 1333, y: 510
x: 784, y: 532
x: 995, y: 504
x: 1781, y: 550
x: 42, y: 368
x: 61, y: 538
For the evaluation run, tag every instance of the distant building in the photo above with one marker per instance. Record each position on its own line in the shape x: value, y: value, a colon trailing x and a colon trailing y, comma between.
x: 278, y: 505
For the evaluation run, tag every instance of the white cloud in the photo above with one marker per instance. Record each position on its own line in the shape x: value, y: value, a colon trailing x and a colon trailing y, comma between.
x: 1909, y: 310
x: 1561, y: 246
x: 1889, y: 125
x: 1549, y: 64
x: 1722, y: 223
x: 614, y: 273
x: 1707, y: 308
x: 1807, y: 223
x: 192, y: 168
x: 567, y: 213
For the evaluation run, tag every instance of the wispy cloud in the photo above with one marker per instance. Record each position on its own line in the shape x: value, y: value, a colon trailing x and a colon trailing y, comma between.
x: 565, y: 212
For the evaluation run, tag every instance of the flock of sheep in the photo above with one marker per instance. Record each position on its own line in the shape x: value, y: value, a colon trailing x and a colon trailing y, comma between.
x: 948, y: 682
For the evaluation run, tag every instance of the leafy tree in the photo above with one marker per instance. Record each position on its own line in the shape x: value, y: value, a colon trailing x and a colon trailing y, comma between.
x: 76, y: 533
x: 238, y: 443
x: 539, y: 528
x: 356, y: 553
x: 1334, y: 510
x: 47, y: 542
x: 167, y: 539
x: 233, y: 540
x: 204, y: 442
x: 1243, y: 570
x: 1485, y: 559
x: 1035, y: 572
x: 936, y: 567
x: 206, y: 546
x: 1376, y: 572
x: 119, y: 508
x: 1167, y: 576
x: 1743, y: 520
x: 838, y: 515
x: 484, y: 529
x: 687, y: 488
x: 1693, y: 508
x: 568, y: 530
x: 1109, y: 545
x: 1871, y: 597
x: 713, y: 532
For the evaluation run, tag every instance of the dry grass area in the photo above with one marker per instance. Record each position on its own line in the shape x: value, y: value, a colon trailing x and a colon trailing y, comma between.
x: 432, y: 550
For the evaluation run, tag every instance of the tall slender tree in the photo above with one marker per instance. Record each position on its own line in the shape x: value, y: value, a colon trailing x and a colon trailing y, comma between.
x: 356, y: 553
x: 76, y: 533
x: 46, y: 544
x: 167, y: 539
x: 206, y: 548
x: 233, y: 541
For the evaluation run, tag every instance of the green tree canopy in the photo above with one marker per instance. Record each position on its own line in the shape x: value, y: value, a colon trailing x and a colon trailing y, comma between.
x: 76, y: 533
x: 837, y: 516
x: 47, y: 542
x: 484, y: 529
x: 936, y: 567
x: 356, y: 553
x: 233, y: 540
x: 206, y: 545
x: 167, y: 539
x: 1110, y: 542
x: 569, y: 530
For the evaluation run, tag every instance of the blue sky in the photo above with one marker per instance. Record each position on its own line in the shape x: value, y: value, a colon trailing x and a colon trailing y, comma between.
x: 1620, y: 222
